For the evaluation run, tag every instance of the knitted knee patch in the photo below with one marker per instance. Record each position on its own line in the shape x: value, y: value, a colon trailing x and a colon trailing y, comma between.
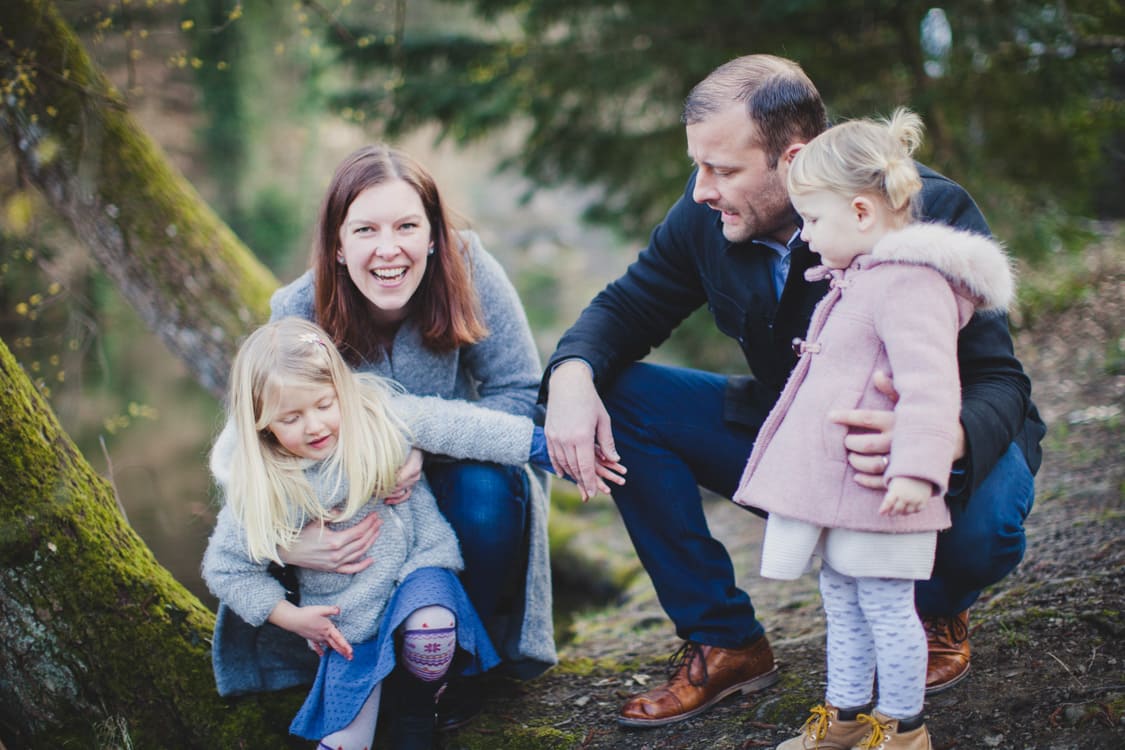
x: 429, y: 640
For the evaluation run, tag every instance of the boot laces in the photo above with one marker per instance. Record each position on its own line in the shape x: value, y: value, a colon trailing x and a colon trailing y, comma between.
x: 949, y: 629
x: 878, y: 735
x: 683, y: 658
x: 816, y: 726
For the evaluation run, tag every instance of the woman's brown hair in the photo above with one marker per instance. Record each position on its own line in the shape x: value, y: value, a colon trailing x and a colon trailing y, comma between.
x: 445, y: 304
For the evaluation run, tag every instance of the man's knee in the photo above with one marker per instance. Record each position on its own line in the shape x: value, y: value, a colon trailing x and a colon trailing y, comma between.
x: 981, y: 559
x: 987, y: 539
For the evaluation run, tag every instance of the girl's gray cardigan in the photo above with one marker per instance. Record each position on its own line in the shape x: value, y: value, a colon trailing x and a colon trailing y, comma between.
x: 502, y: 373
x: 414, y: 534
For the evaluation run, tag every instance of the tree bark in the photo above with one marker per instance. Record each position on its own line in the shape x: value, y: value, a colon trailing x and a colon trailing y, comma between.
x: 100, y: 642
x: 190, y: 279
x: 101, y: 646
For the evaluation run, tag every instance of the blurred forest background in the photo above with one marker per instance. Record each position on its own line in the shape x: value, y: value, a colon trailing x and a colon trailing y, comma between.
x: 553, y: 128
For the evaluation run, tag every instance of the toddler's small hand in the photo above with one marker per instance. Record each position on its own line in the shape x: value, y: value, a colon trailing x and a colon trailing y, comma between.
x: 905, y: 496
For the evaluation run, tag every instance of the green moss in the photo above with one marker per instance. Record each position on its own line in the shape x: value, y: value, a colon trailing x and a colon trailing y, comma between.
x: 517, y: 738
x: 117, y: 646
x: 585, y: 666
x: 788, y: 704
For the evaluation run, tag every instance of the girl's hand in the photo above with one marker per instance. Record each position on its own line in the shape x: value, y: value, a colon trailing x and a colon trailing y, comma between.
x: 314, y: 624
x: 344, y: 551
x: 407, y: 477
x: 613, y: 471
x: 605, y: 469
x: 906, y: 495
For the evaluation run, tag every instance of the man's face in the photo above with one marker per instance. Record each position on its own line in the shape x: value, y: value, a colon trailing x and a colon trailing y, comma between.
x: 735, y: 178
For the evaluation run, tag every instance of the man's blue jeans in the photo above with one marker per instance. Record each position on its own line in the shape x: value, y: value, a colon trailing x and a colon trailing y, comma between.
x: 487, y: 506
x: 669, y: 429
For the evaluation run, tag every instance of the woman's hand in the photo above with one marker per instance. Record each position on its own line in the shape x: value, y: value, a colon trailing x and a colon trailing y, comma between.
x: 314, y: 624
x: 407, y: 477
x: 343, y: 551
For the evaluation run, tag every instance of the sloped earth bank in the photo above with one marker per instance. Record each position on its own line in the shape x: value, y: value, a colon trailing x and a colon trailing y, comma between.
x: 1049, y: 642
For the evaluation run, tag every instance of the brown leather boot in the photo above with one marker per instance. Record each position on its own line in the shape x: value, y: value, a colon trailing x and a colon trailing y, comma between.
x: 701, y: 677
x: 947, y: 640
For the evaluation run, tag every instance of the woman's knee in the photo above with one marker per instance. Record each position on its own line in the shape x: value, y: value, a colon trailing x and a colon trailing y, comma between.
x: 483, y: 501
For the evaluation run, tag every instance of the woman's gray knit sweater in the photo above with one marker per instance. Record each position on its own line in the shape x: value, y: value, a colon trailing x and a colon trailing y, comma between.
x: 500, y: 372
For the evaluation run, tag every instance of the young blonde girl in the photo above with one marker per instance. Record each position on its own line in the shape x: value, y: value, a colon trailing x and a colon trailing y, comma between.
x: 309, y: 440
x: 899, y: 292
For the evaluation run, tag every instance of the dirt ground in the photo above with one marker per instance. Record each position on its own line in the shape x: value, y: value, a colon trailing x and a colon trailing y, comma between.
x: 1048, y: 667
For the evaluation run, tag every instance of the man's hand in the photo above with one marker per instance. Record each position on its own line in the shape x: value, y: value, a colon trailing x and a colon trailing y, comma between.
x: 407, y: 477
x: 344, y: 551
x: 868, y: 441
x: 577, y: 426
x: 905, y: 495
x: 314, y: 624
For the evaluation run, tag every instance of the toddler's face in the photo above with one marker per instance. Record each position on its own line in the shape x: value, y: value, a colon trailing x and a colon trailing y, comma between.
x: 307, y: 422
x: 831, y: 227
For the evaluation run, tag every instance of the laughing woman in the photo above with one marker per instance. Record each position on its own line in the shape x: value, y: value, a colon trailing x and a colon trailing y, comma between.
x: 404, y: 295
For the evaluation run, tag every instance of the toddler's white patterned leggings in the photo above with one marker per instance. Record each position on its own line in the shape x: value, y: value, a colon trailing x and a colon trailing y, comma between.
x: 873, y: 627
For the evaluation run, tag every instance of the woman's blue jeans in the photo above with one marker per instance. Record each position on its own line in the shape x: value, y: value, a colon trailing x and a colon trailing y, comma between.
x: 487, y: 506
x: 669, y: 429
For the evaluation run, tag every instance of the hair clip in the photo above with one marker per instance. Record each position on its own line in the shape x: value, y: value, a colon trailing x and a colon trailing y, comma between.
x: 312, y: 338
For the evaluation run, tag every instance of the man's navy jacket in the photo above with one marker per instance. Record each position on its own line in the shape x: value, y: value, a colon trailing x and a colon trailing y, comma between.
x: 688, y: 263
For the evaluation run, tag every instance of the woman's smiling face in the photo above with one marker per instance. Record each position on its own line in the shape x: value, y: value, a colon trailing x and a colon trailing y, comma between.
x: 385, y: 242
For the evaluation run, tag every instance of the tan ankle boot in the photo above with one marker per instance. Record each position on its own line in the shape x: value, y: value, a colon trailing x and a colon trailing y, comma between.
x: 883, y: 734
x: 824, y: 730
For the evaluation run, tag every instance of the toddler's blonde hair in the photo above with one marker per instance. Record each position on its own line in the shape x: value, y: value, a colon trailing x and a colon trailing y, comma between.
x: 864, y: 157
x: 268, y: 491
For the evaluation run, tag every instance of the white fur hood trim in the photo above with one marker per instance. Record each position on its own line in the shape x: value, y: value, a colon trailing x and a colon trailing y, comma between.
x: 976, y: 263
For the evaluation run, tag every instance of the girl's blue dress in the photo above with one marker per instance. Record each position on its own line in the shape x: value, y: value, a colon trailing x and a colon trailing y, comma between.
x: 342, y: 686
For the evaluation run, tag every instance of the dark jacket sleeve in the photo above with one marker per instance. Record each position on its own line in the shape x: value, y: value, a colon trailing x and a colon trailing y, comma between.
x: 639, y: 310
x: 995, y: 392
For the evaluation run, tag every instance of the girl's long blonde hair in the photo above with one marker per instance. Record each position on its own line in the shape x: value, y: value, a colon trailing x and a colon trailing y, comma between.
x: 864, y: 157
x: 268, y: 491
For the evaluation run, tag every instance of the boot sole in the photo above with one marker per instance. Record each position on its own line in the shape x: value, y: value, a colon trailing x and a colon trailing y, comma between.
x: 941, y: 688
x: 761, y: 682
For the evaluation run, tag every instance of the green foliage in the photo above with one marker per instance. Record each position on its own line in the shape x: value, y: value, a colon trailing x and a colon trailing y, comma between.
x: 272, y: 226
x: 1024, y: 103
x: 243, y: 83
x: 222, y: 87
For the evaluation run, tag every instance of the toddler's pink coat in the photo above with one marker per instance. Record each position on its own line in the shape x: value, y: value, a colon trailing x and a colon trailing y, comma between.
x: 898, y: 310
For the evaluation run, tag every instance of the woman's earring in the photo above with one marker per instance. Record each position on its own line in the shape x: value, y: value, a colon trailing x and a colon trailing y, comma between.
x: 431, y: 250
x: 340, y: 260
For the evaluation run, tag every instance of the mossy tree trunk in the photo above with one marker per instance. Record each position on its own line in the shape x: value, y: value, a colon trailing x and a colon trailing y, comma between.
x: 177, y: 263
x: 99, y: 641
